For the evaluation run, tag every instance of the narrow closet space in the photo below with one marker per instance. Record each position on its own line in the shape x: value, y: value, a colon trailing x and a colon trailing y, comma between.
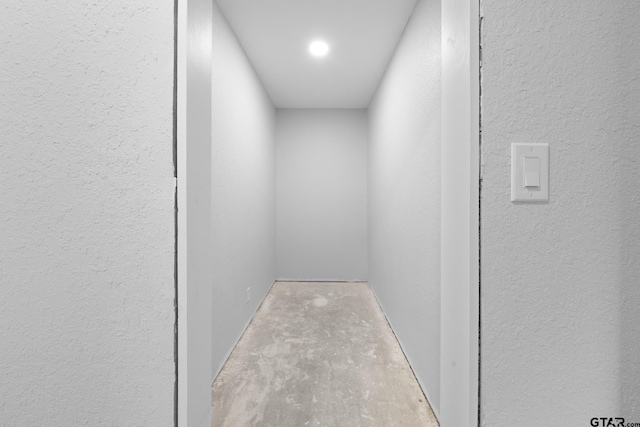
x: 325, y: 206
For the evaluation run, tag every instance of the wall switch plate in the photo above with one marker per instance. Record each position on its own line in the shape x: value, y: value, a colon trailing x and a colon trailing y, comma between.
x: 529, y: 172
x: 248, y: 295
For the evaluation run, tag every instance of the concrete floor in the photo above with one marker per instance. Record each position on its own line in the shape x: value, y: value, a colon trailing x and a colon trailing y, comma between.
x: 319, y: 354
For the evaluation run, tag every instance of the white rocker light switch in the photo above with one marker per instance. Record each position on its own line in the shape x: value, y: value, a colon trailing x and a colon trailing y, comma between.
x: 529, y: 172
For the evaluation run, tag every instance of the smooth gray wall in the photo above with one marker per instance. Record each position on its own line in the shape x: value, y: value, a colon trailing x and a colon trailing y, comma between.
x: 322, y: 194
x: 243, y: 191
x: 404, y: 194
x: 560, y: 281
x: 87, y: 213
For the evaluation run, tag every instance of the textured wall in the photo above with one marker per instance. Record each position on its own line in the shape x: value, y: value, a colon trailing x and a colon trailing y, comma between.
x: 404, y: 194
x: 560, y: 324
x: 243, y: 190
x: 322, y: 194
x: 87, y: 213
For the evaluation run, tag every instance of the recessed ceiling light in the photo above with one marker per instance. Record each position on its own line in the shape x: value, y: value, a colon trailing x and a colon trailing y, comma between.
x: 319, y: 48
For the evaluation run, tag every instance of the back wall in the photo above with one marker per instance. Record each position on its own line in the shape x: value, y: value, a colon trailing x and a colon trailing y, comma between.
x: 321, y: 194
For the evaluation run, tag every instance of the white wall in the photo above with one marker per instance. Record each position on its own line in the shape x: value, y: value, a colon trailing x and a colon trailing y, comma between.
x: 322, y: 194
x: 87, y: 214
x: 243, y: 191
x: 560, y: 323
x: 404, y: 194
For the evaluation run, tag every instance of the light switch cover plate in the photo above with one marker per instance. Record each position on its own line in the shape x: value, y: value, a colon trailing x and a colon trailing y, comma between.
x: 521, y: 155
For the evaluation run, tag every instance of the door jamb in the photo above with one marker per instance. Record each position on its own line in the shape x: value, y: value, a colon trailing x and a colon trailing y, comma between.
x: 460, y: 204
x: 193, y: 251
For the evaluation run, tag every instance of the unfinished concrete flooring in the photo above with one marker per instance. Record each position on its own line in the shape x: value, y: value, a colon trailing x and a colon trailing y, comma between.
x: 319, y: 354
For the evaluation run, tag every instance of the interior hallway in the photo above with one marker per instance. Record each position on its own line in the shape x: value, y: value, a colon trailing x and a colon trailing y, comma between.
x: 319, y: 354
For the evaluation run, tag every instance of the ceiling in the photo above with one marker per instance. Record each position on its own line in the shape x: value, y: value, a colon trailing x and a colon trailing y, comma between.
x: 362, y: 36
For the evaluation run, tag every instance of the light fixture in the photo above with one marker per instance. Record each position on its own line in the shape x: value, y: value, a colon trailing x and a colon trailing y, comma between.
x: 318, y: 48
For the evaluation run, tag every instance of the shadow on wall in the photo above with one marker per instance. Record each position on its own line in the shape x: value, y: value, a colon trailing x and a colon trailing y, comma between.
x: 630, y: 286
x: 629, y: 212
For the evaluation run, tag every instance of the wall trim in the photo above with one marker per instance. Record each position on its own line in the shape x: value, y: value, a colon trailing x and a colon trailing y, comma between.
x: 193, y: 170
x: 460, y: 245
